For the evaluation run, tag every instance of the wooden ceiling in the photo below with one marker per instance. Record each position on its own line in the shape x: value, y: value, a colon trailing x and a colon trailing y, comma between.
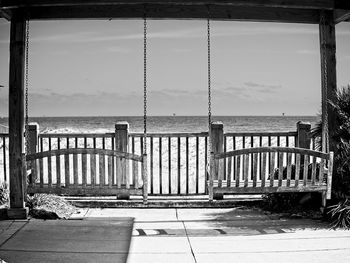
x: 289, y: 11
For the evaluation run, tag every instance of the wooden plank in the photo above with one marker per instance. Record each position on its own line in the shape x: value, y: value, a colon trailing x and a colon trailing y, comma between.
x: 321, y: 172
x: 49, y: 171
x: 187, y: 166
x: 84, y: 151
x: 261, y: 134
x: 206, y: 174
x: 272, y: 168
x: 58, y: 171
x: 263, y: 170
x: 41, y: 171
x: 229, y: 171
x: 4, y: 158
x: 280, y: 168
x: 75, y: 169
x: 66, y: 170
x: 305, y: 171
x: 224, y: 159
x: 255, y: 169
x: 151, y: 165
x: 197, y: 165
x: 172, y: 134
x: 169, y: 164
x: 271, y: 149
x: 84, y: 168
x: 289, y: 168
x: 329, y: 175
x: 297, y: 170
x: 119, y: 169
x: 238, y: 170
x: 319, y: 4
x: 160, y: 166
x: 67, y: 143
x: 144, y: 177
x: 313, y: 171
x: 178, y: 165
x: 93, y: 169
x: 234, y: 159
x: 246, y: 169
x: 102, y: 163
x: 135, y: 168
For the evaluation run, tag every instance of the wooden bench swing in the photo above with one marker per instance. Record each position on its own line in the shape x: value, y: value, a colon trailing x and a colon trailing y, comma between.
x: 258, y: 170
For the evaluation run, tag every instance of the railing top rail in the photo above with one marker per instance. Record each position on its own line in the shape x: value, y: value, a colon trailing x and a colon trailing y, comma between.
x: 75, y: 135
x: 51, y: 153
x: 264, y: 134
x: 165, y: 134
x: 271, y: 150
x: 4, y: 135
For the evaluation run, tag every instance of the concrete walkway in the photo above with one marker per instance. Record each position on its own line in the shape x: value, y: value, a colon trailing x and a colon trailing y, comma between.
x: 172, y: 235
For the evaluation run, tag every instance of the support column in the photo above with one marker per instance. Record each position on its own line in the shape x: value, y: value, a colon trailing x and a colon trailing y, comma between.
x: 303, y: 137
x: 217, y: 144
x: 328, y: 66
x: 17, y: 208
x: 121, y: 145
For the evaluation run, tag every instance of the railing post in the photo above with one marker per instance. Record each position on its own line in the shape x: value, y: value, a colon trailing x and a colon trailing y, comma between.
x: 304, y: 136
x: 121, y: 145
x: 32, y: 144
x: 217, y: 144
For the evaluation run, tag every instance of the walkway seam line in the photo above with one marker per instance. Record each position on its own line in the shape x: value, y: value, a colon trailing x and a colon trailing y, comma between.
x: 14, y: 234
x: 189, y: 242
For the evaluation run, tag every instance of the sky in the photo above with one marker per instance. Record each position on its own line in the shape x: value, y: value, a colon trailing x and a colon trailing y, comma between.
x: 95, y: 68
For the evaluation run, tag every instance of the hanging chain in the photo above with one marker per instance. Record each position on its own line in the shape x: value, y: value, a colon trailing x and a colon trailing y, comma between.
x: 145, y: 83
x: 209, y: 94
x: 325, y: 135
x: 26, y: 133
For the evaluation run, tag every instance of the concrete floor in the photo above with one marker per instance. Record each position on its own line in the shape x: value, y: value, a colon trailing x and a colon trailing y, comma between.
x: 172, y: 235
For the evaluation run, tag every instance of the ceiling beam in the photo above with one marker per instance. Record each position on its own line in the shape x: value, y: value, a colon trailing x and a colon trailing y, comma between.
x: 155, y: 11
x: 299, y: 4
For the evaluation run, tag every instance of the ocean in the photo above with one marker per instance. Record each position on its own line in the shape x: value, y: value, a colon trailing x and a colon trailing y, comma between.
x: 101, y: 124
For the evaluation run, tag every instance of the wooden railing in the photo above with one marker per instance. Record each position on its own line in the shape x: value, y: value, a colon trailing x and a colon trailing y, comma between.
x: 177, y: 161
x: 4, y: 157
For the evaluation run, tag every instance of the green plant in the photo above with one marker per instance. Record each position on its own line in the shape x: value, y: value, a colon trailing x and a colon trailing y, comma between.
x: 340, y: 214
x: 4, y: 194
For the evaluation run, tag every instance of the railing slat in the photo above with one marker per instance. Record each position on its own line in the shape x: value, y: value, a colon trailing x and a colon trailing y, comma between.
x: 169, y: 163
x: 178, y: 165
x: 66, y: 170
x: 255, y: 169
x: 297, y: 169
x: 49, y: 171
x: 280, y: 168
x: 101, y: 159
x: 41, y: 170
x: 135, y: 169
x: 246, y: 169
x: 305, y: 174
x: 93, y: 169
x: 4, y: 157
x: 321, y: 172
x: 229, y: 167
x: 187, y: 166
x: 160, y: 166
x: 197, y: 164
x: 58, y: 171
x: 75, y: 169
x: 151, y: 166
x: 313, y: 174
x: 272, y: 156
x: 263, y: 170
x: 289, y: 168
x: 84, y: 168
x: 238, y: 170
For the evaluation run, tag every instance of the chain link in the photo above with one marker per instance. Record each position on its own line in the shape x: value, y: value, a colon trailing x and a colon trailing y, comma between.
x: 209, y: 93
x: 26, y: 133
x: 325, y: 134
x: 145, y: 83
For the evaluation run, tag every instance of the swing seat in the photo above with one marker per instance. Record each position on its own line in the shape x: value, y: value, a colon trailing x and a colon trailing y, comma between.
x: 264, y: 170
x: 81, y: 171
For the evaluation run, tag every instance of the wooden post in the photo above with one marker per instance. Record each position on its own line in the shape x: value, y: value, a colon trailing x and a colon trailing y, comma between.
x: 32, y: 144
x: 17, y: 208
x: 328, y: 68
x: 303, y: 136
x: 121, y: 145
x: 217, y: 146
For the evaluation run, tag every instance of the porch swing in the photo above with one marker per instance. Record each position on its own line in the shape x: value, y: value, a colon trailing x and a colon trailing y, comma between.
x: 255, y: 170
